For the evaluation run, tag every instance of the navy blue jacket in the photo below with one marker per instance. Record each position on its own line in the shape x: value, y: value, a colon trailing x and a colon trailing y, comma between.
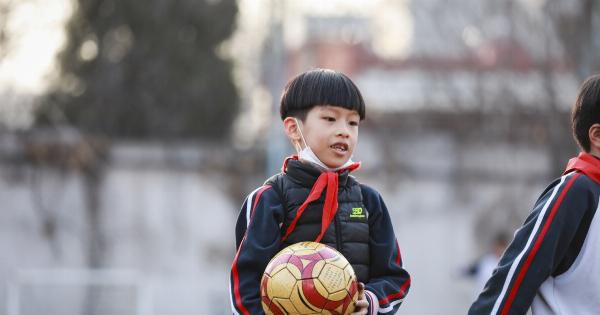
x: 258, y: 239
x: 552, y: 265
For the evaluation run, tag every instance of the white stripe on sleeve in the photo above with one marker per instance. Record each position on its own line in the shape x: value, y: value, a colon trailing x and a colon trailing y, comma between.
x: 374, y: 305
x: 390, y: 307
x: 231, y: 300
x: 517, y: 260
x: 249, y: 205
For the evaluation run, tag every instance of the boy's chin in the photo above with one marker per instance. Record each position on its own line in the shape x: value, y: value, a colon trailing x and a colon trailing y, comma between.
x: 336, y: 164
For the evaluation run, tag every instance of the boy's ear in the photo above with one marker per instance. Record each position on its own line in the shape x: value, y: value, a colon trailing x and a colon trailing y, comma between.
x: 291, y: 129
x: 594, y: 134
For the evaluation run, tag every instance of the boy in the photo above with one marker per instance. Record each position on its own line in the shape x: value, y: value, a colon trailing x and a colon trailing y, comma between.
x: 315, y: 199
x: 553, y: 263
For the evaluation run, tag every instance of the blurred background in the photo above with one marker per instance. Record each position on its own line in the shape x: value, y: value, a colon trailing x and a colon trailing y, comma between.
x: 131, y: 131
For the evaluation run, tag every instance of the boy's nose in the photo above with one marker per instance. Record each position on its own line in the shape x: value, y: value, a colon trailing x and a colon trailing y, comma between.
x: 343, y: 132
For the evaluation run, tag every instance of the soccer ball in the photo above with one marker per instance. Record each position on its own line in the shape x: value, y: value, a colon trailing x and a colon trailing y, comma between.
x: 308, y: 278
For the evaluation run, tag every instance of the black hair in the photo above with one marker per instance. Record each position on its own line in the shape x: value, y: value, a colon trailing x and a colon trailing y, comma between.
x: 320, y: 87
x: 586, y: 111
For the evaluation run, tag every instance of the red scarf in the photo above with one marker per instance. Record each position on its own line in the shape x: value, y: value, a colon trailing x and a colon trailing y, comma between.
x: 327, y: 181
x: 587, y: 164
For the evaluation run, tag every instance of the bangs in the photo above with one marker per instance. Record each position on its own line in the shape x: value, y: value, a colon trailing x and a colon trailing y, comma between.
x: 320, y: 87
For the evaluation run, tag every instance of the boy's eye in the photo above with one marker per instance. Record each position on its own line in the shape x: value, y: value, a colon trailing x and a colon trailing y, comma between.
x: 329, y: 118
x: 353, y: 123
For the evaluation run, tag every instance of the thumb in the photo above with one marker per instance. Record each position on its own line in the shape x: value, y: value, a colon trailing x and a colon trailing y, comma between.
x: 361, y: 289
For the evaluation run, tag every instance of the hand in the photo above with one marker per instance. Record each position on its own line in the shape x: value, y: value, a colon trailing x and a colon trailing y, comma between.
x: 362, y: 305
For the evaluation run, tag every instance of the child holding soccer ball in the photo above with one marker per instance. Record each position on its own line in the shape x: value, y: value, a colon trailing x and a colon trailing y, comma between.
x: 314, y: 198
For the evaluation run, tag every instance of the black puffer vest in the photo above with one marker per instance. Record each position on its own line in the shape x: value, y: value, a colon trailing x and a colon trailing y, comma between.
x: 349, y: 230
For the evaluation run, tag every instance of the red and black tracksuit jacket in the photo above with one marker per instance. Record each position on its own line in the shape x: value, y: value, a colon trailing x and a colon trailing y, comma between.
x: 305, y: 204
x: 553, y: 263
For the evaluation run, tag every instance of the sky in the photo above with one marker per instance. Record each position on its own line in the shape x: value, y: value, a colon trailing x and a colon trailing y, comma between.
x: 37, y: 29
x: 36, y: 32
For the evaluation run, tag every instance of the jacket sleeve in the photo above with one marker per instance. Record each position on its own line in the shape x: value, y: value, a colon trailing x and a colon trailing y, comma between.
x: 257, y: 240
x: 541, y: 248
x: 389, y: 282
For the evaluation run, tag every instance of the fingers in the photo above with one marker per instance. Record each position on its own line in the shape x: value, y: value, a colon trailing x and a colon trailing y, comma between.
x: 361, y: 307
x: 361, y: 304
x: 361, y: 290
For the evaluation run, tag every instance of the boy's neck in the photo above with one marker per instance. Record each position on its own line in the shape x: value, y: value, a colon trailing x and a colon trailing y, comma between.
x: 595, y: 152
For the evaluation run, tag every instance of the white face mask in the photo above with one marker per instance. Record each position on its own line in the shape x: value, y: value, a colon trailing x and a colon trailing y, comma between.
x: 308, y: 155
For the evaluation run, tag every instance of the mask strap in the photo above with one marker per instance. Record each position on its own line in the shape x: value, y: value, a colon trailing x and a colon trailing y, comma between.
x: 298, y: 147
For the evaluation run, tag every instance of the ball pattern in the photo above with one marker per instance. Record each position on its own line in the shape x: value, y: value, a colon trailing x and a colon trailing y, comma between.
x: 308, y: 278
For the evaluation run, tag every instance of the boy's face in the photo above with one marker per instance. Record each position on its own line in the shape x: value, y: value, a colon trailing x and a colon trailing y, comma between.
x: 332, y: 133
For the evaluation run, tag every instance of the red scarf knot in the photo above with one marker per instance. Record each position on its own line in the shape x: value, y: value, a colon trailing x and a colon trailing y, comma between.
x: 328, y: 181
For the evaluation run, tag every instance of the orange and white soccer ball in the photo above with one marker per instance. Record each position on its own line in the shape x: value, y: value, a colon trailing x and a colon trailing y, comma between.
x: 308, y: 278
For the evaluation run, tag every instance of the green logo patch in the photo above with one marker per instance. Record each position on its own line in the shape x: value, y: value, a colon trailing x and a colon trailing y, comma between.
x: 357, y: 213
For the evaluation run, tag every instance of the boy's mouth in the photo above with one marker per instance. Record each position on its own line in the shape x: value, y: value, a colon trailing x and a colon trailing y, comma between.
x: 340, y: 147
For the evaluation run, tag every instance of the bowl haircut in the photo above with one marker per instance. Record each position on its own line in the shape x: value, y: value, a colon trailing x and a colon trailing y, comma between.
x: 319, y: 87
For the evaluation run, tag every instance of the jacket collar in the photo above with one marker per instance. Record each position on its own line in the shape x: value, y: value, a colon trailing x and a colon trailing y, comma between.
x: 586, y: 163
x: 322, y: 182
x: 306, y: 173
